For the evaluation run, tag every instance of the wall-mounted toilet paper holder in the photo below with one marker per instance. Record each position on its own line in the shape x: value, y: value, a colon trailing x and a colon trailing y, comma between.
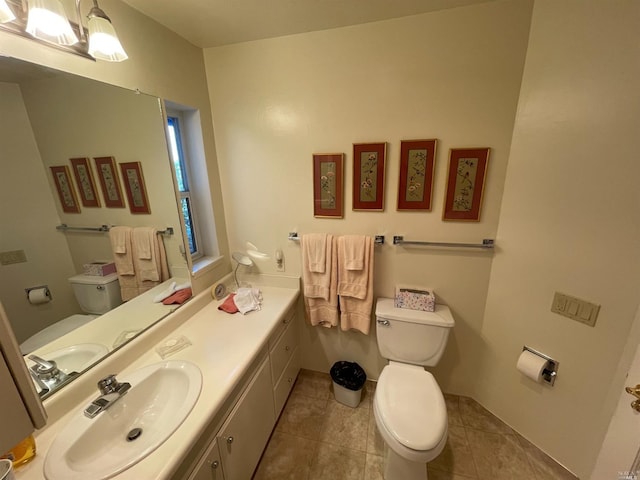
x: 550, y: 371
x: 41, y: 294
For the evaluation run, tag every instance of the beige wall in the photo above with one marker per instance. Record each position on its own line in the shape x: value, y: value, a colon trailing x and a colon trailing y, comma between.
x: 34, y: 211
x: 452, y: 75
x: 160, y: 63
x: 569, y: 222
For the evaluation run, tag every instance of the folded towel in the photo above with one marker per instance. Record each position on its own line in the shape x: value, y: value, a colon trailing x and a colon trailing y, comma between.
x: 248, y: 300
x: 353, y: 250
x: 356, y: 311
x: 120, y: 238
x: 315, y: 247
x: 316, y: 284
x: 146, y: 253
x: 352, y: 282
x: 228, y: 305
x: 179, y: 297
x: 170, y: 290
x: 320, y: 311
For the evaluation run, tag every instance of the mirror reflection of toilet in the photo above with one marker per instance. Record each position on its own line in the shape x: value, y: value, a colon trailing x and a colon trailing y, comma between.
x: 95, y: 295
x: 408, y: 406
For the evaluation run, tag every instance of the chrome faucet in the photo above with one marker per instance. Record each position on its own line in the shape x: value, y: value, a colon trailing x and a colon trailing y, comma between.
x: 111, y: 391
x: 46, y: 375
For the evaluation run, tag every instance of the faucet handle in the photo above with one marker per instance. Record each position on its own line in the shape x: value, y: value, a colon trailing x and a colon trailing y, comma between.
x: 108, y: 384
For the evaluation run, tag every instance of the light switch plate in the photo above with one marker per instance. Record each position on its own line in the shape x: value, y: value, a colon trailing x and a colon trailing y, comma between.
x: 14, y: 256
x: 575, y: 308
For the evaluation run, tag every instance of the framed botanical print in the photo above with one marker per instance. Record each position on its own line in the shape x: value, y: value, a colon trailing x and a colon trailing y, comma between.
x: 327, y: 185
x: 66, y: 192
x: 84, y: 180
x: 368, y: 176
x: 417, y: 162
x: 109, y: 182
x: 465, y: 184
x: 135, y: 187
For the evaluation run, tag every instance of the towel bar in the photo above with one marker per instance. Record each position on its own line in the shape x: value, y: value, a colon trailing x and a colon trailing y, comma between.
x: 377, y: 240
x: 102, y: 228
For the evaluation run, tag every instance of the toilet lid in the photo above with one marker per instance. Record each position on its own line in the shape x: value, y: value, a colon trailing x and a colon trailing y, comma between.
x: 411, y: 406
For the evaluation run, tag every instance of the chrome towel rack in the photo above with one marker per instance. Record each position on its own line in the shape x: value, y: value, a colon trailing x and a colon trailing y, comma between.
x: 377, y: 240
x: 63, y: 227
x: 487, y: 243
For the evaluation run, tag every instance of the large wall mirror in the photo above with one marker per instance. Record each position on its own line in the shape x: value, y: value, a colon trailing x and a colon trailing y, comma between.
x: 48, y: 118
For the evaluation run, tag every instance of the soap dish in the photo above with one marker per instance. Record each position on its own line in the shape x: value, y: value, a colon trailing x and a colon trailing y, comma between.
x: 172, y: 345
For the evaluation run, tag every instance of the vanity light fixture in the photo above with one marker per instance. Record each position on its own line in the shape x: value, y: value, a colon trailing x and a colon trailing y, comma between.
x: 47, y: 21
x: 6, y: 15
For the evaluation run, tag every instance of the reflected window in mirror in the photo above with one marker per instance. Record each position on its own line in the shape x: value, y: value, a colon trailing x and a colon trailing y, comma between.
x: 186, y: 146
x: 181, y: 166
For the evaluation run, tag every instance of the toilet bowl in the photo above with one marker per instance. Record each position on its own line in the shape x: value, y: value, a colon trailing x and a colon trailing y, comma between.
x: 408, y: 405
x: 52, y: 332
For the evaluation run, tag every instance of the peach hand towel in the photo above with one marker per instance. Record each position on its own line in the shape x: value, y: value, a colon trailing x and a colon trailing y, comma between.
x: 352, y: 282
x: 353, y: 248
x: 146, y: 254
x: 356, y: 312
x: 315, y: 248
x: 120, y: 238
x: 320, y: 311
x: 316, y: 284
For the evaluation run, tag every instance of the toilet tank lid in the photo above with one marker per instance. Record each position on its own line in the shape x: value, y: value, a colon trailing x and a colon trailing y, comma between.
x: 442, y: 317
x: 94, y: 279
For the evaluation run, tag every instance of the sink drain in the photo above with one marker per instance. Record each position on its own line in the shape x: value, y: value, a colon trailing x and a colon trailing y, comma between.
x: 134, y: 434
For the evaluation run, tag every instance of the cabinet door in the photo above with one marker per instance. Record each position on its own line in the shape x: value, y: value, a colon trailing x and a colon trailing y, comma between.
x: 244, y: 435
x: 210, y: 465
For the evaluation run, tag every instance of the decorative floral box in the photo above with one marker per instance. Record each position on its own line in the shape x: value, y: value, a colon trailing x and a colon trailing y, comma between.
x: 415, y: 299
x: 99, y: 268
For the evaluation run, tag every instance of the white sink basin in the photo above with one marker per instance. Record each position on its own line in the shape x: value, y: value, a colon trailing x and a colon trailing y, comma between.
x: 160, y: 398
x: 76, y: 357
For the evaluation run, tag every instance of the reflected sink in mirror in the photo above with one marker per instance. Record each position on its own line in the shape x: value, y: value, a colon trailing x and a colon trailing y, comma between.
x: 160, y: 398
x: 76, y: 357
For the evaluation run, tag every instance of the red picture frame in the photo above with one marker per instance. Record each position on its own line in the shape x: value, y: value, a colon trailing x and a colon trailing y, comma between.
x: 109, y: 182
x: 135, y: 187
x: 465, y: 184
x: 66, y: 191
x: 417, y: 163
x: 327, y: 185
x: 84, y: 179
x: 368, y: 176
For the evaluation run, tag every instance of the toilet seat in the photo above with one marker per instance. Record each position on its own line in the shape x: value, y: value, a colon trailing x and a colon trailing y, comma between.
x: 410, y: 412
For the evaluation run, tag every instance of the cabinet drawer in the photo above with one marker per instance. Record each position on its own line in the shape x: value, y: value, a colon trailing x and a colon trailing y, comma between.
x: 285, y: 383
x: 282, y: 324
x: 282, y: 351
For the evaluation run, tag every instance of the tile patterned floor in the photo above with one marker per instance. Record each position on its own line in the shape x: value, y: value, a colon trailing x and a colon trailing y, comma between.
x: 317, y: 438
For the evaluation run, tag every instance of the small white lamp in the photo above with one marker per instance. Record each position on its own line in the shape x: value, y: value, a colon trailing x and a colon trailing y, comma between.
x: 48, y: 21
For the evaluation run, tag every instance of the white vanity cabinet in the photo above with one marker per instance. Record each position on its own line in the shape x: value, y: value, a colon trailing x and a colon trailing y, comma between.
x: 246, y: 431
x: 235, y: 451
x: 284, y: 355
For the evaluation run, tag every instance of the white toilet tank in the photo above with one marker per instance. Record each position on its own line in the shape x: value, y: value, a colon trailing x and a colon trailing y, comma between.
x: 96, y: 294
x: 412, y: 336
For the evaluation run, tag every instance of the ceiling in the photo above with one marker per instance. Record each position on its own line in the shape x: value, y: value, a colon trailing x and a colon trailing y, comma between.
x: 211, y: 23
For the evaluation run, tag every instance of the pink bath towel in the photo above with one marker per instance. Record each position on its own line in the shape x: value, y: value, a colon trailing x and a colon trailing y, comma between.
x: 320, y: 310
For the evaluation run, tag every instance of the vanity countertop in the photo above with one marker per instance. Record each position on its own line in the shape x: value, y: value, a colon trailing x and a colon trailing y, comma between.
x: 223, y: 346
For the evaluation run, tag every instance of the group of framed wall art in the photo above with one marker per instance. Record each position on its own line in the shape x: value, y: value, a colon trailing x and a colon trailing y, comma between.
x: 465, y: 182
x: 109, y: 184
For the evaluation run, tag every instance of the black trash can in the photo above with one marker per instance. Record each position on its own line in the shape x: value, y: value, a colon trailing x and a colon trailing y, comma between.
x: 348, y: 380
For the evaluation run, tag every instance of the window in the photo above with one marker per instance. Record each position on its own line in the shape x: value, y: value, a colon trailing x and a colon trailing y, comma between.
x: 180, y: 164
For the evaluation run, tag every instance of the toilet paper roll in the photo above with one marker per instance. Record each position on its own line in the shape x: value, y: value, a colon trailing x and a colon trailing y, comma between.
x: 38, y: 296
x: 531, y: 365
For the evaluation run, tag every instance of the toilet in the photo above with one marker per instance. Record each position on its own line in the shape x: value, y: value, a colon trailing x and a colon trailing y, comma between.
x: 95, y: 295
x: 408, y: 406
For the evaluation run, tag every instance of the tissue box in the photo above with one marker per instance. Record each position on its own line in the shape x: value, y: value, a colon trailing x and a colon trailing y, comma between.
x: 415, y: 299
x: 100, y: 269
